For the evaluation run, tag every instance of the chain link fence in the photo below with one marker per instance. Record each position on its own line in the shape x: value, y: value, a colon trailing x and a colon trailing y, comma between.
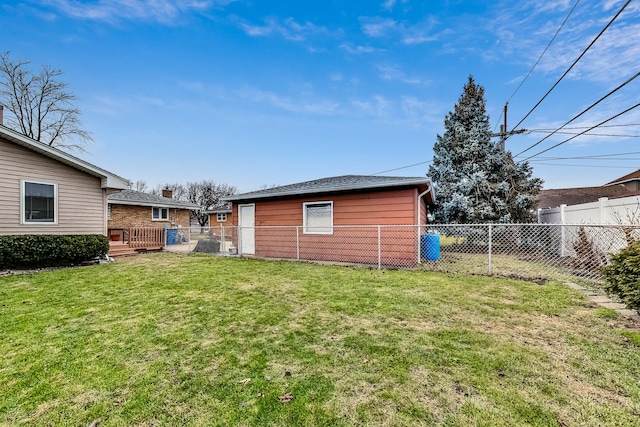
x: 528, y: 251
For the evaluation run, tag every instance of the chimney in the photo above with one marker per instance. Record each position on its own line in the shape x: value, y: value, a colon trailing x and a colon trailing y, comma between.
x: 167, y: 193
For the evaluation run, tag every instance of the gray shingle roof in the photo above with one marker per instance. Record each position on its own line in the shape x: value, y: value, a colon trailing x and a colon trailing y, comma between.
x: 226, y: 208
x: 332, y: 185
x: 137, y: 198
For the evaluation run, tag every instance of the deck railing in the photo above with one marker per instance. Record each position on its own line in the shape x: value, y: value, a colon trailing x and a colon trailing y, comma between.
x: 141, y: 237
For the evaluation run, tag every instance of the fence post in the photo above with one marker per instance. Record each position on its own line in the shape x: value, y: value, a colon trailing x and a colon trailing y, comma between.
x: 222, y: 239
x: 419, y: 247
x: 379, y: 250
x: 563, y: 251
x: 489, y: 272
x: 298, y: 243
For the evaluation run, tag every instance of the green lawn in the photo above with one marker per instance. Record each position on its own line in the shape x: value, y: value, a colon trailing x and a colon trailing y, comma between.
x: 167, y: 339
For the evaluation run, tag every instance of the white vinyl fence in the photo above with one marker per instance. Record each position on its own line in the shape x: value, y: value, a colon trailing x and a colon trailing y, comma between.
x: 625, y: 210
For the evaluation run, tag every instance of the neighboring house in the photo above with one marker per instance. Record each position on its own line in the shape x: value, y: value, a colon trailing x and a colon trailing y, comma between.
x: 46, y: 191
x: 129, y: 208
x: 608, y: 204
x: 315, y: 216
x: 625, y: 186
x: 221, y: 216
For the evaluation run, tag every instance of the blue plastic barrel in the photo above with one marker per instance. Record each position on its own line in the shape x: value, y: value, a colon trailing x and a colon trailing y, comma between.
x: 172, y: 236
x: 430, y: 247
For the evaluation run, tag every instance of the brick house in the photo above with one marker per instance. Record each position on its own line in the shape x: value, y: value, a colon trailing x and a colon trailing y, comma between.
x: 129, y: 208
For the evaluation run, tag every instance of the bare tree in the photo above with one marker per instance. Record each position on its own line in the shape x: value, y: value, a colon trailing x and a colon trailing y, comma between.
x: 40, y: 105
x: 178, y: 190
x: 207, y: 194
x: 140, y: 186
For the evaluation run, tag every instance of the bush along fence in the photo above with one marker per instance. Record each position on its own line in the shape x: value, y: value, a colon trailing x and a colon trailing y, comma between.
x: 532, y: 251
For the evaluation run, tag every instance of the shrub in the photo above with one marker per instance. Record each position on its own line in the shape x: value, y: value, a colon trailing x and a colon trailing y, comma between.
x: 622, y: 276
x: 36, y: 251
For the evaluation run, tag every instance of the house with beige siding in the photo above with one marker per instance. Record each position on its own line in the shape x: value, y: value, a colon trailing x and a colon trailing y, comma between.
x: 44, y: 190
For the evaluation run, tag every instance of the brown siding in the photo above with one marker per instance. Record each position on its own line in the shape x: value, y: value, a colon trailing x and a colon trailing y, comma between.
x: 213, y: 220
x: 359, y: 245
x: 125, y: 216
x: 81, y: 200
x: 373, y: 208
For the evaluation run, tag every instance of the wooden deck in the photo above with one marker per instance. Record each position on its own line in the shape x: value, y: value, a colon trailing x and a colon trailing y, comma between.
x: 134, y: 240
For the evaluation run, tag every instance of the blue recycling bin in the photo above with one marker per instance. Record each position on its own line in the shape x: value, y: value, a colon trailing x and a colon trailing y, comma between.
x: 172, y: 236
x: 430, y: 247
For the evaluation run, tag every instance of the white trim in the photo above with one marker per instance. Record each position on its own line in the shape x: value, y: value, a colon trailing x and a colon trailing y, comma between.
x: 219, y: 215
x: 304, y: 217
x: 23, y: 220
x: 159, y: 213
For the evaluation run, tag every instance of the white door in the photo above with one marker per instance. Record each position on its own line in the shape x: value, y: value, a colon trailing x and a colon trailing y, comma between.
x: 247, y: 222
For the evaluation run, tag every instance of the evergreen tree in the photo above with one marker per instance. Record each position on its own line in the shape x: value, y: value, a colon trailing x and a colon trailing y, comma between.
x: 476, y: 180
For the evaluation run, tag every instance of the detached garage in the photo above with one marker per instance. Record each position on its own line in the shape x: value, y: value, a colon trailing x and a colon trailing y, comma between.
x: 351, y: 218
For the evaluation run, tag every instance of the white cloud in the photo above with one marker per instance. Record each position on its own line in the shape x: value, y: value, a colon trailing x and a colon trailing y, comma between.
x: 298, y: 106
x: 357, y: 50
x: 163, y: 11
x: 377, y: 27
x: 287, y: 28
x: 393, y: 73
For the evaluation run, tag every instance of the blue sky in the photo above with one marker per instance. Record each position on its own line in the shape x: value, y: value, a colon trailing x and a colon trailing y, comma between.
x: 254, y: 93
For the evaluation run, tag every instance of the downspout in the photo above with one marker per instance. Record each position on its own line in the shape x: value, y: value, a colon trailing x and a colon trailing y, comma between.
x: 420, y: 196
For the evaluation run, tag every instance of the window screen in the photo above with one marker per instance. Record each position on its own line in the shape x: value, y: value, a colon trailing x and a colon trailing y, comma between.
x: 39, y: 202
x: 318, y: 218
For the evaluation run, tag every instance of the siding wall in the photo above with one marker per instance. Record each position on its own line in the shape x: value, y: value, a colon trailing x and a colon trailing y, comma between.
x: 125, y: 216
x: 213, y: 220
x: 81, y: 200
x: 394, y: 207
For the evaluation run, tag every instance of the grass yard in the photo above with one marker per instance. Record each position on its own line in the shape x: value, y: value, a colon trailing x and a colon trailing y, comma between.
x: 168, y: 339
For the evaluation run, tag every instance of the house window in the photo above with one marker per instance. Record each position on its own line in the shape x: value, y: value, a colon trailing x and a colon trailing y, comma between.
x: 160, y: 214
x: 317, y: 217
x: 108, y: 211
x: 221, y: 217
x: 39, y: 203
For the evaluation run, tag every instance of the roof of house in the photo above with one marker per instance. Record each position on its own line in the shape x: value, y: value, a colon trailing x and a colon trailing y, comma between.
x: 345, y: 183
x: 108, y: 179
x: 574, y: 196
x: 226, y: 208
x: 633, y: 176
x: 138, y: 198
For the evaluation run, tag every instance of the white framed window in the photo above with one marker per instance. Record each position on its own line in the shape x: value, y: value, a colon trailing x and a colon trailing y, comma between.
x: 317, y: 217
x: 159, y: 214
x: 39, y: 202
x: 108, y: 211
x: 221, y: 217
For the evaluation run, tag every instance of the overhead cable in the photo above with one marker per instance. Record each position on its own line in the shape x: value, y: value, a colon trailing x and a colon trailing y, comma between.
x: 582, y: 133
x: 629, y: 80
x: 539, y: 58
x: 574, y: 63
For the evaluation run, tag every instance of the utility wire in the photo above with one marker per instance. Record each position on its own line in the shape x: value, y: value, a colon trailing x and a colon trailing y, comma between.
x: 618, y: 135
x: 594, y: 156
x: 582, y: 133
x: 402, y: 167
x: 629, y: 80
x: 584, y: 127
x: 574, y: 63
x: 588, y: 166
x: 539, y: 58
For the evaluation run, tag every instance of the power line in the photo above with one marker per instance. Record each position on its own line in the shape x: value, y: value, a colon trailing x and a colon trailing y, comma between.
x: 594, y: 156
x: 591, y: 134
x: 539, y: 58
x: 574, y: 63
x: 582, y: 133
x: 588, y: 166
x: 584, y: 127
x: 403, y: 167
x: 629, y: 80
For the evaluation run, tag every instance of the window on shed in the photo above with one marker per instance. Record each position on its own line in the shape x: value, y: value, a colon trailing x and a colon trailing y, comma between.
x: 39, y: 202
x: 318, y: 217
x: 160, y: 214
x: 221, y: 217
